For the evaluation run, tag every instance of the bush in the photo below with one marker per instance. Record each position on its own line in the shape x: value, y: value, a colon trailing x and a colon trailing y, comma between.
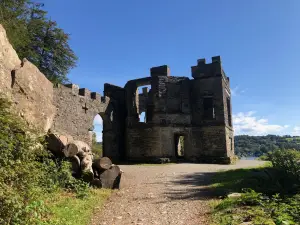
x: 277, y: 200
x: 258, y: 209
x: 27, y: 172
x: 286, y: 160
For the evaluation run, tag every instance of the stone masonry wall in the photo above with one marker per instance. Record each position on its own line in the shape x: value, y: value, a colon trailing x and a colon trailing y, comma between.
x: 76, y: 110
x: 177, y: 109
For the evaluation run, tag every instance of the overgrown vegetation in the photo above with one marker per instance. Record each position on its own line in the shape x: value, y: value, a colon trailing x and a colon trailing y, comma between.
x: 67, y: 209
x: 270, y: 195
x: 29, y: 173
x: 97, y: 147
x: 256, y: 146
x: 38, y: 38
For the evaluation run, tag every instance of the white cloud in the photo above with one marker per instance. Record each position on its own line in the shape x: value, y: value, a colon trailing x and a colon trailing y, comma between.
x: 237, y: 91
x: 246, y: 123
x: 98, y: 120
x: 99, y: 136
x: 296, y: 131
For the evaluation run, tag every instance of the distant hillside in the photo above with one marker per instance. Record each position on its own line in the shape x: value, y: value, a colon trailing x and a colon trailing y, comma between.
x: 248, y: 145
x: 259, y: 145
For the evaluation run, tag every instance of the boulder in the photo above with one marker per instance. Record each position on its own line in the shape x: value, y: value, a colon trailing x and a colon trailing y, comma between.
x: 30, y: 91
x: 9, y: 61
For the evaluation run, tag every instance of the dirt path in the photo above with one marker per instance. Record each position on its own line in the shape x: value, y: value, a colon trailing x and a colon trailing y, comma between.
x: 163, y: 194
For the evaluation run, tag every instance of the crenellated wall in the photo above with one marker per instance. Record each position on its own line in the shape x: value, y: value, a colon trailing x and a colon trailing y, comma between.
x: 76, y: 109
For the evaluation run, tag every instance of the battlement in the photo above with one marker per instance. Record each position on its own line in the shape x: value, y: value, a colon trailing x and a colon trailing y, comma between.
x: 203, y: 69
x: 76, y: 90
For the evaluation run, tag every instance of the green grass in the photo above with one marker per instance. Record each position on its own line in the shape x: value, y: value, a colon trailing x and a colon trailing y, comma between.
x: 260, y: 203
x: 66, y: 209
x: 226, y: 181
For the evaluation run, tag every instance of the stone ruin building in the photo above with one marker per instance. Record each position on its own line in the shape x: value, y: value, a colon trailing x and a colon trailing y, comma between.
x: 185, y: 119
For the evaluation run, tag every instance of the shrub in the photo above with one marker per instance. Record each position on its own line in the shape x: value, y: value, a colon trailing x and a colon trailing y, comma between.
x: 278, y: 199
x: 286, y: 160
x: 258, y: 209
x: 27, y: 172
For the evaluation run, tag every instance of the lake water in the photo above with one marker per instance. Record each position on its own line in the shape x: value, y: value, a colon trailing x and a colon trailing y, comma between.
x: 249, y: 158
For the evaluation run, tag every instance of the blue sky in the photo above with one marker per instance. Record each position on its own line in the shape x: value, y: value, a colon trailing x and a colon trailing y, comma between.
x: 259, y: 42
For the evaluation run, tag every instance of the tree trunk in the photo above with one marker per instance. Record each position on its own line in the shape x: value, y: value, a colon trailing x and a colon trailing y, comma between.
x: 111, y: 178
x: 75, y: 165
x: 79, y: 148
x: 103, y: 163
x: 97, y: 183
x: 87, y: 162
x: 55, y: 144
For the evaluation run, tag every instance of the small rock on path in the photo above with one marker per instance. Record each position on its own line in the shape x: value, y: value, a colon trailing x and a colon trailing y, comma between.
x: 163, y: 194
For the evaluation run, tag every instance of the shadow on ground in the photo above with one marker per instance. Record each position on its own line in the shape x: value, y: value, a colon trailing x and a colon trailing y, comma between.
x: 218, y: 184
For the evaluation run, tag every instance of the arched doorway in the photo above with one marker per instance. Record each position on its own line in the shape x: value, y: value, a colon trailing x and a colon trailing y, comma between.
x: 97, y: 141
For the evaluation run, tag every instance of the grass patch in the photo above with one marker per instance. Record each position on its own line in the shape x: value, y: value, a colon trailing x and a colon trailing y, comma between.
x: 226, y: 181
x: 269, y: 196
x: 67, y: 209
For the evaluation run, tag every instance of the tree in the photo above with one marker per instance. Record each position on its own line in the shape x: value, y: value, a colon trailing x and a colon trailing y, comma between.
x: 13, y: 15
x: 38, y: 39
x: 96, y: 146
x: 260, y: 145
x: 94, y: 140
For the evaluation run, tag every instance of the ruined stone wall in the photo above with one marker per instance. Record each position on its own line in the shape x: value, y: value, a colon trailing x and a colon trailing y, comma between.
x: 168, y: 102
x: 226, y: 98
x: 171, y: 97
x: 76, y: 110
x: 230, y: 141
x: 114, y: 126
x: 228, y: 117
x: 177, y: 107
x: 146, y: 142
x: 207, y: 87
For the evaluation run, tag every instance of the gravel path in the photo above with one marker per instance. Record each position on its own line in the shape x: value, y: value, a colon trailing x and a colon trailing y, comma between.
x: 163, y: 194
